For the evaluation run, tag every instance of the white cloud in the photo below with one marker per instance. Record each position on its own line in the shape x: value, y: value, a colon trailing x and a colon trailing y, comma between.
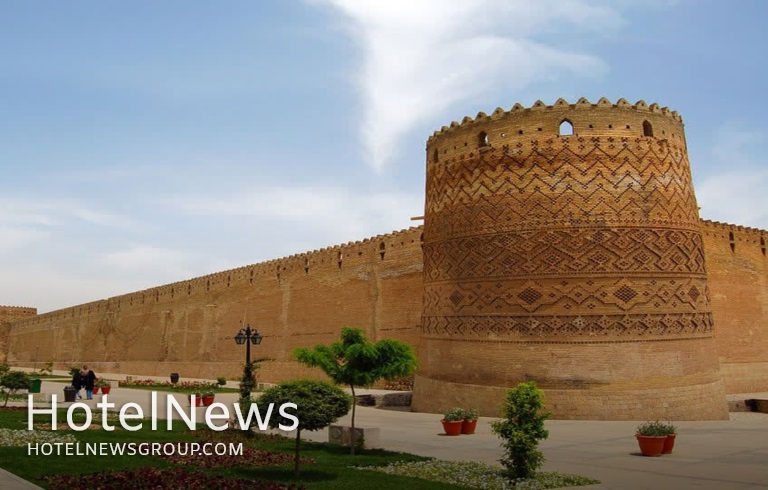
x: 736, y: 191
x: 327, y: 214
x: 421, y: 57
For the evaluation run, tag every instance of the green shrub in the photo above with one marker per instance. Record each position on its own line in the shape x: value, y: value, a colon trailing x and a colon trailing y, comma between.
x: 12, y: 381
x: 470, y: 414
x: 4, y: 368
x: 654, y: 429
x: 454, y: 415
x: 521, y: 430
x: 319, y: 404
x: 221, y: 380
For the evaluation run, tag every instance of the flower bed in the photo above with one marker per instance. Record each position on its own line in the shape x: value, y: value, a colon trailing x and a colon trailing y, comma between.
x: 477, y: 475
x: 10, y: 437
x: 157, y: 478
x: 250, y: 457
x: 183, y: 385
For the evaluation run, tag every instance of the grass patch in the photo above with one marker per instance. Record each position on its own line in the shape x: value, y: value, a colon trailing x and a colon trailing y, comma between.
x: 267, y: 462
x: 472, y: 474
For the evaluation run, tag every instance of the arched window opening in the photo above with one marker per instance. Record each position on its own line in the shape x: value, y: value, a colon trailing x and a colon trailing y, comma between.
x: 382, y: 250
x: 340, y: 258
x: 566, y: 128
x: 306, y: 265
x: 647, y: 129
x: 229, y: 280
x: 762, y: 245
x: 208, y: 285
x: 733, y: 242
x: 277, y: 273
x: 482, y: 139
x: 435, y: 157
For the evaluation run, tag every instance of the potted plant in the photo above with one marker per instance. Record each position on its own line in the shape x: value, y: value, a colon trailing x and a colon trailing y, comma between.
x: 104, y: 385
x: 221, y: 380
x: 452, y: 421
x: 208, y: 398
x: 198, y: 399
x: 669, y: 442
x: 174, y: 378
x: 470, y: 421
x: 651, y: 437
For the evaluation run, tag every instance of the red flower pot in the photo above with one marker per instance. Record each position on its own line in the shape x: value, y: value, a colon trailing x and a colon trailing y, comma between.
x: 105, y: 390
x: 96, y: 390
x: 452, y: 428
x: 468, y: 426
x: 651, y: 445
x: 669, y: 443
x: 198, y: 400
x: 207, y: 400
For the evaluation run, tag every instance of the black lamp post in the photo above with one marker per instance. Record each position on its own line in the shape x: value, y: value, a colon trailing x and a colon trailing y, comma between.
x: 248, y: 336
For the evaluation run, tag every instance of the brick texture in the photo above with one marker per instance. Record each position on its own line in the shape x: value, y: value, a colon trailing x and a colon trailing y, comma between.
x: 577, y: 261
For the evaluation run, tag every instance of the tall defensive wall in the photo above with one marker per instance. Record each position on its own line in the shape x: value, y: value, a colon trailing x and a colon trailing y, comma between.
x: 188, y: 326
x: 9, y: 314
x: 575, y: 260
x: 572, y: 260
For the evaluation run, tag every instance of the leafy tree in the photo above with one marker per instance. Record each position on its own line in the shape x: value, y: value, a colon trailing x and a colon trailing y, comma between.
x: 248, y: 381
x: 521, y: 430
x: 355, y: 361
x: 13, y: 381
x: 319, y: 405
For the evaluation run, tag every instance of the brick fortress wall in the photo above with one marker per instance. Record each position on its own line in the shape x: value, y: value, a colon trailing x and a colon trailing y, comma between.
x: 575, y: 261
x: 305, y: 299
x: 8, y: 315
x: 738, y: 278
x: 188, y: 327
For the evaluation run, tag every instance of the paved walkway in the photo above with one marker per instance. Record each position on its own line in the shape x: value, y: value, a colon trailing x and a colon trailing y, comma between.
x: 718, y: 455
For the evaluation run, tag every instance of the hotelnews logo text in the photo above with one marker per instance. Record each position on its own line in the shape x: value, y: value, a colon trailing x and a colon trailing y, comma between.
x: 217, y: 416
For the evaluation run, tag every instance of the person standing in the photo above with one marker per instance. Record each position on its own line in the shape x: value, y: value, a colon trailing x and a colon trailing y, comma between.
x: 87, y: 380
x: 76, y: 383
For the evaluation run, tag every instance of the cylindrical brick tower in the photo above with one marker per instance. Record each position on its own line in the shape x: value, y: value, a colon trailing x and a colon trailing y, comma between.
x: 562, y: 245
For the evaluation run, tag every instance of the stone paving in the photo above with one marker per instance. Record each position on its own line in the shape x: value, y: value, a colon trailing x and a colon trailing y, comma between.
x: 719, y: 455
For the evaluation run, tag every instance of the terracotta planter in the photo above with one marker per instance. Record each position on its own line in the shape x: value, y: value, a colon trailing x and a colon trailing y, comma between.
x: 207, y: 400
x: 468, y: 426
x: 105, y: 390
x: 198, y: 400
x: 669, y: 443
x: 96, y: 390
x: 651, y: 445
x: 452, y: 428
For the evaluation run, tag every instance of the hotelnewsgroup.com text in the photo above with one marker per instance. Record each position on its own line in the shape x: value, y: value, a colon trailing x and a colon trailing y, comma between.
x: 134, y: 448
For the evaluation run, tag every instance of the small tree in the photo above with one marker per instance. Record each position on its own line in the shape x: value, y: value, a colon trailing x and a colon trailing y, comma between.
x: 522, y: 429
x: 12, y: 381
x: 355, y: 361
x: 248, y: 381
x: 319, y: 405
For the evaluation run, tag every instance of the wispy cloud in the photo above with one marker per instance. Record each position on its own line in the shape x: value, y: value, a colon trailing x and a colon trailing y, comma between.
x: 737, y: 192
x: 322, y: 213
x: 420, y: 57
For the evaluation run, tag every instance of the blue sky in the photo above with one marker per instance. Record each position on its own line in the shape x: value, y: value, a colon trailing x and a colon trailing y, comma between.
x: 143, y: 143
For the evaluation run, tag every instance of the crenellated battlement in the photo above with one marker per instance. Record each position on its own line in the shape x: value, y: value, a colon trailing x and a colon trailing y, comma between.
x: 337, y: 256
x: 15, y: 312
x: 562, y: 119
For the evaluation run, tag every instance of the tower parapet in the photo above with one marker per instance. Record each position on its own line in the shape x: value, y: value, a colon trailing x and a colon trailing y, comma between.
x: 562, y: 244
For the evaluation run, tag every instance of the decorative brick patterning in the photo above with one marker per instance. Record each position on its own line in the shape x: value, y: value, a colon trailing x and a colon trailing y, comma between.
x: 533, y: 236
x: 576, y: 261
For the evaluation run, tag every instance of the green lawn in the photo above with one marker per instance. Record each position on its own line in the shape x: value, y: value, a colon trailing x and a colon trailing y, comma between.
x: 332, y: 468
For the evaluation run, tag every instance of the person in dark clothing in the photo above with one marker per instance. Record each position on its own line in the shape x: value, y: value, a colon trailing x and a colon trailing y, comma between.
x: 76, y: 383
x: 87, y: 380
